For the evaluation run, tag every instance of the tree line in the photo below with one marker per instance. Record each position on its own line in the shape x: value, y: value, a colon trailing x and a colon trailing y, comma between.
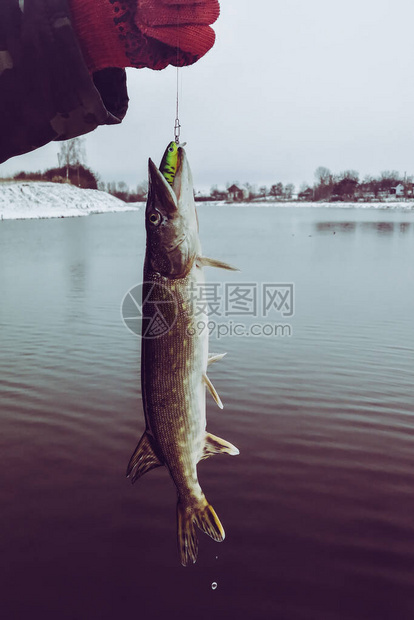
x: 347, y: 186
x: 328, y: 187
x: 344, y: 186
x: 250, y: 192
x: 72, y: 169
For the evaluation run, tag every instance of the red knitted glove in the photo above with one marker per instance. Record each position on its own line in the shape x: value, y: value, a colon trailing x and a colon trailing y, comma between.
x: 143, y: 33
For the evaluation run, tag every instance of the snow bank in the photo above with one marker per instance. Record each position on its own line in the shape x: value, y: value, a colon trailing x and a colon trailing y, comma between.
x: 394, y: 205
x: 39, y: 200
x: 43, y: 200
x: 389, y: 205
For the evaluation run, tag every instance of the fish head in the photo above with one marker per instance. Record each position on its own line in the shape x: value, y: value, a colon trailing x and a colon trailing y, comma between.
x: 171, y: 221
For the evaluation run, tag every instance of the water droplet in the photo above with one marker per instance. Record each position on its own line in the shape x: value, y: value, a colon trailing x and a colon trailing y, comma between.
x: 214, y: 585
x: 216, y: 557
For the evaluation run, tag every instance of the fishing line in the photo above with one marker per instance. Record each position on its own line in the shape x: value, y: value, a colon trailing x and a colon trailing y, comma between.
x: 177, y: 125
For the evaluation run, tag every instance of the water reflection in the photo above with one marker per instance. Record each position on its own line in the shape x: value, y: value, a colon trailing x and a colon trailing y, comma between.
x: 384, y: 228
x: 380, y: 227
x: 320, y: 520
x: 335, y: 226
x: 77, y: 278
x: 76, y: 251
x: 404, y: 226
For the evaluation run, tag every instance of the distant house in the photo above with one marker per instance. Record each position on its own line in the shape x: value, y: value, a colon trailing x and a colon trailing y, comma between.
x: 399, y: 190
x: 307, y: 194
x: 235, y: 194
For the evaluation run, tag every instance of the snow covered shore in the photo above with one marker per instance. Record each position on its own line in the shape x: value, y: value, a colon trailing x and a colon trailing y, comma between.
x: 32, y: 200
x: 395, y: 205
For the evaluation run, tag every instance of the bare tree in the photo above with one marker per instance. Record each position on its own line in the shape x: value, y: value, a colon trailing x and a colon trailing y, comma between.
x: 214, y: 192
x: 276, y: 190
x: 389, y: 179
x: 352, y: 175
x: 72, y: 153
x: 391, y: 174
x: 289, y: 190
x: 250, y: 190
x: 122, y: 187
x: 323, y: 175
x: 142, y: 190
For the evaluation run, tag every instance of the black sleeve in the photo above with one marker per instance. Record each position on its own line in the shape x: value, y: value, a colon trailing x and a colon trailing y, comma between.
x: 46, y: 91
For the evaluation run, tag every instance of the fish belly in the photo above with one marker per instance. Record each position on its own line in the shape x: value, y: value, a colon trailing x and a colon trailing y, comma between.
x: 174, y: 396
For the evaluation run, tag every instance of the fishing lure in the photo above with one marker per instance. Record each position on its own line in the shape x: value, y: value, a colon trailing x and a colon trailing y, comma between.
x: 168, y: 165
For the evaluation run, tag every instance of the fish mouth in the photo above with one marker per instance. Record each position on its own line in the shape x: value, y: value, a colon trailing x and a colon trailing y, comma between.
x: 182, y: 176
x: 160, y: 192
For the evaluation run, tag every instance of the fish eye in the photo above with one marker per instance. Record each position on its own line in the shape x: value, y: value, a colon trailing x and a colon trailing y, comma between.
x: 171, y: 149
x: 155, y: 218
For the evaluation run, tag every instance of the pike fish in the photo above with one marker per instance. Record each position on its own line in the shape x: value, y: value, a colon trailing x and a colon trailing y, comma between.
x: 174, y: 364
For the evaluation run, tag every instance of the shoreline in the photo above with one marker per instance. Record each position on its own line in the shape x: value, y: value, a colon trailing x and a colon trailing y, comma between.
x: 46, y: 200
x: 384, y: 206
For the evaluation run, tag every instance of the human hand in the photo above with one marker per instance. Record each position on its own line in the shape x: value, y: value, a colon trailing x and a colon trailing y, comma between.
x: 144, y: 33
x: 183, y: 25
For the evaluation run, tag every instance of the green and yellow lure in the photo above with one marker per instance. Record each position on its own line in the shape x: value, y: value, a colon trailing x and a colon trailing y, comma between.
x: 168, y: 166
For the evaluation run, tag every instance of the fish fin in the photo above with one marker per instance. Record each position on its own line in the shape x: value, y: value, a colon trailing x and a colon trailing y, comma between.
x: 143, y: 459
x: 215, y: 357
x: 186, y: 534
x: 209, y: 523
x: 217, y: 445
x: 188, y: 517
x: 203, y: 261
x: 212, y: 391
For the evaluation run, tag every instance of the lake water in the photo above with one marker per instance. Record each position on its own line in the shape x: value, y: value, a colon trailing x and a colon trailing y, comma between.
x: 319, y: 506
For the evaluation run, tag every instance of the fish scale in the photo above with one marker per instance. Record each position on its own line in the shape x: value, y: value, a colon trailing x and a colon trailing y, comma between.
x: 178, y: 362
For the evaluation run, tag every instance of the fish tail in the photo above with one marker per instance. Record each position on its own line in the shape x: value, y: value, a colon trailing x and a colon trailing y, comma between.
x: 208, y: 521
x: 188, y: 516
x: 186, y: 534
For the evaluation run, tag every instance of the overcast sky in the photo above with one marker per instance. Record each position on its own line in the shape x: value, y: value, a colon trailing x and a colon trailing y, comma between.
x: 290, y: 85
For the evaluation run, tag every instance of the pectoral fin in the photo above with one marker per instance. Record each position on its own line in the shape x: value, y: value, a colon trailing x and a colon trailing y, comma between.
x: 212, y: 391
x: 203, y: 261
x: 217, y: 445
x: 215, y: 357
x: 143, y: 459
